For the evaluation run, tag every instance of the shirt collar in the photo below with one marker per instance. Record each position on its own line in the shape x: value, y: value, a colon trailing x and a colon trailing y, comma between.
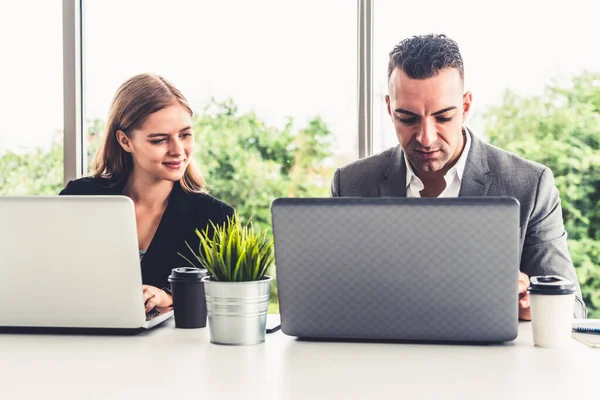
x: 410, y: 174
x: 458, y: 168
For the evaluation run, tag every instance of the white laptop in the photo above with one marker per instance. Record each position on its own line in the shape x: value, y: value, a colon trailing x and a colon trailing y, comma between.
x: 71, y: 262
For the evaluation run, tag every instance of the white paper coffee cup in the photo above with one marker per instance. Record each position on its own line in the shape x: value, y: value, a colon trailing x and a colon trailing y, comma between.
x: 552, y: 300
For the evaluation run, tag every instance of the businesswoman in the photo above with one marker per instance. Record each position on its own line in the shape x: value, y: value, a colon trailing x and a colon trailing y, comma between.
x: 147, y: 156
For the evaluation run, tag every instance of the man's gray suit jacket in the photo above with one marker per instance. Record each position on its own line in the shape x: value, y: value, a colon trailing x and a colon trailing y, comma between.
x: 489, y: 171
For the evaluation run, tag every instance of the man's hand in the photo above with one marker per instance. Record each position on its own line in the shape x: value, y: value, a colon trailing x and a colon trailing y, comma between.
x: 155, y: 297
x: 524, y: 311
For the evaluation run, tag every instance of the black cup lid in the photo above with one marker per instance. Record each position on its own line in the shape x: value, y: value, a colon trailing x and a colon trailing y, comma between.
x: 187, y: 274
x: 550, y: 284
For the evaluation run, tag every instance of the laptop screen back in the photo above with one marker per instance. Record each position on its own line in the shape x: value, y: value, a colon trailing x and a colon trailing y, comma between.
x: 69, y: 261
x: 398, y: 268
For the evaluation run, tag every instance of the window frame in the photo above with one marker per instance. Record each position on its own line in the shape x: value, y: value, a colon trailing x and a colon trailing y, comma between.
x: 73, y: 119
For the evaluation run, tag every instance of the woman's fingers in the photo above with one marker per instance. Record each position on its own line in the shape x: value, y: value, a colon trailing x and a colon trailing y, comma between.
x: 151, y: 303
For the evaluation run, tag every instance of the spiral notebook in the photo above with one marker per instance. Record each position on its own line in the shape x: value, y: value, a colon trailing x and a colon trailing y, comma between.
x: 590, y: 339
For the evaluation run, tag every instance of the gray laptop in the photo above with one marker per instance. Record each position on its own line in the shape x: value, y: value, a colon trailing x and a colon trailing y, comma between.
x: 71, y: 262
x: 398, y: 268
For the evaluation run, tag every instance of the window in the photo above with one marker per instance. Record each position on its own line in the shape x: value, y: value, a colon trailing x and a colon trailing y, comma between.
x: 31, y: 137
x: 272, y: 85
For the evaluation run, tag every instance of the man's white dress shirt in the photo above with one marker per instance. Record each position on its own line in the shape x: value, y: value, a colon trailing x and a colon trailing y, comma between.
x: 453, y: 177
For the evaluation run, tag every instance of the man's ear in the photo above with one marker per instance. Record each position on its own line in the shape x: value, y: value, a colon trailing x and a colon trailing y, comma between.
x: 124, y: 141
x: 387, y: 103
x: 467, y: 101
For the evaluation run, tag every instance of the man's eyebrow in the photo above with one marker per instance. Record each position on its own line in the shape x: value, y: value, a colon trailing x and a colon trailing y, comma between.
x: 402, y: 111
x: 442, y: 111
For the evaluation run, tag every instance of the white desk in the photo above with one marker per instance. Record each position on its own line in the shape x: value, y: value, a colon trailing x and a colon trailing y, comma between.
x: 169, y: 363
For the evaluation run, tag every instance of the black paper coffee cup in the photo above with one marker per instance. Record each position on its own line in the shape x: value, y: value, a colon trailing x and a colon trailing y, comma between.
x: 189, y: 303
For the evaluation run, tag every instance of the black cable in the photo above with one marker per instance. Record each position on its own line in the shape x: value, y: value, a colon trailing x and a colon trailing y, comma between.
x: 273, y: 330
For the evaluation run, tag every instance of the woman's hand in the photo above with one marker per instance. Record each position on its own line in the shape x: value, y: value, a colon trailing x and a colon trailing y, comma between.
x: 155, y: 297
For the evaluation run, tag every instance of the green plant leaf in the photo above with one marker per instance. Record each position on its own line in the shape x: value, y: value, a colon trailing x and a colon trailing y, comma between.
x: 186, y: 259
x: 233, y: 251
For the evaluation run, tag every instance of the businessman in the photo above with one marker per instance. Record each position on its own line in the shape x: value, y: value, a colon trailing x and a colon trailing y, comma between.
x: 438, y: 156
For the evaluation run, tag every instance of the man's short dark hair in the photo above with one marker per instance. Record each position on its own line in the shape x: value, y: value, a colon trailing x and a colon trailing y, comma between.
x: 424, y: 56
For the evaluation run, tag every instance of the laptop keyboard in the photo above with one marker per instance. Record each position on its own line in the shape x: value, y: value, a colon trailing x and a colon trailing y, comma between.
x: 152, y: 313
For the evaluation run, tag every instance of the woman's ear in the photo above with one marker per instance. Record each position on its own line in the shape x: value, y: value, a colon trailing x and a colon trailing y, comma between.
x: 124, y: 141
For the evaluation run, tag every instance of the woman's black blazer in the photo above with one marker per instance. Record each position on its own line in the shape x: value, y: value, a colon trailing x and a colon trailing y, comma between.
x: 184, y: 214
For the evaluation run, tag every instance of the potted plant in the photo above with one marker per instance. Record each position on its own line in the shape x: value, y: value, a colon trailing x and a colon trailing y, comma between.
x: 237, y: 259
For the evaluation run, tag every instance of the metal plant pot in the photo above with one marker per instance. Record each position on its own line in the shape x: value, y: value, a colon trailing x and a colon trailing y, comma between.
x: 237, y: 311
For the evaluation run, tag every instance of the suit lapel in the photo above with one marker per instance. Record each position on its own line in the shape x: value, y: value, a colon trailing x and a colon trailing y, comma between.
x: 393, y: 182
x: 476, y: 180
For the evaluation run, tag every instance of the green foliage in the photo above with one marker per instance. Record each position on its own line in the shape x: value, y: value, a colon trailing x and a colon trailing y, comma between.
x: 586, y: 257
x: 34, y: 172
x: 233, y: 252
x: 248, y: 163
x: 561, y: 129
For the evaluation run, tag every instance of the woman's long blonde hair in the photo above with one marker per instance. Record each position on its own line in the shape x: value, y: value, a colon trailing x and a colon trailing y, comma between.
x: 134, y: 101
